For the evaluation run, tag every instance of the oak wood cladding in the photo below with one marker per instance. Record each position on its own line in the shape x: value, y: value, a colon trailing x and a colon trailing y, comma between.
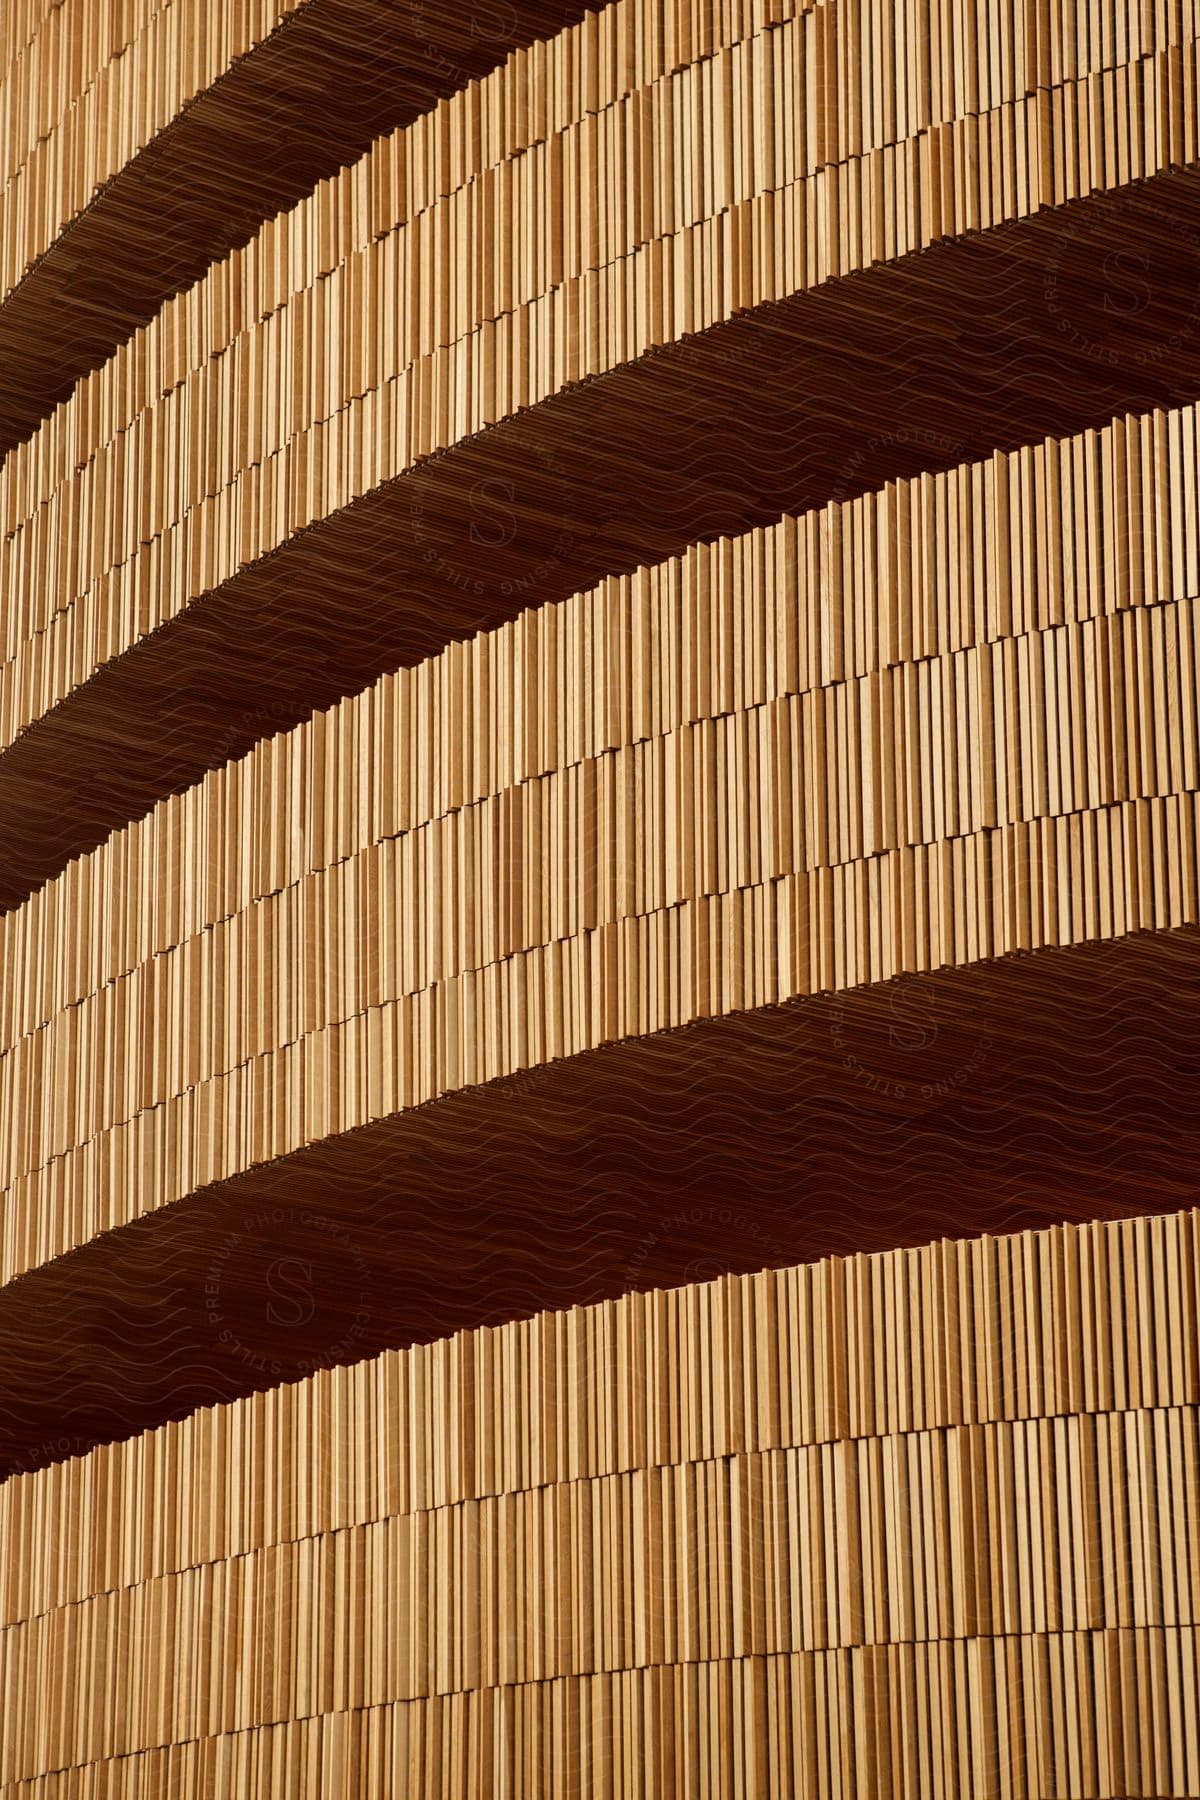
x: 85, y: 87
x: 145, y: 140
x: 662, y: 255
x: 599, y: 686
x: 1005, y: 1095
x: 946, y: 722
x: 804, y: 1514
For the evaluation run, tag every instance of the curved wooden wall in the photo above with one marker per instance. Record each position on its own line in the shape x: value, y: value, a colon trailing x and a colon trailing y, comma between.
x: 88, y: 89
x: 599, y: 686
x: 632, y: 241
x: 1003, y: 1095
x: 819, y: 756
x: 917, y: 1524
x: 143, y: 140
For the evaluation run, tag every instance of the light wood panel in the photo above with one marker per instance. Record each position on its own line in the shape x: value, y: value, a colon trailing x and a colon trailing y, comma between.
x: 316, y: 436
x: 974, y: 1466
x: 268, y: 471
x: 1090, y: 1319
x: 92, y: 84
x: 885, y: 738
x: 685, y: 1731
x: 530, y: 114
x: 140, y: 142
x: 925, y: 1522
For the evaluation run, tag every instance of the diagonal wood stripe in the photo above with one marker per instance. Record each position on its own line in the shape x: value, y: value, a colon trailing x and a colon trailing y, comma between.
x: 218, y: 129
x: 358, y: 517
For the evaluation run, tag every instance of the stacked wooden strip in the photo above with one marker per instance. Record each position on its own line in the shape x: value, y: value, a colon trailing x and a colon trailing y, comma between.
x: 1086, y: 1319
x: 617, y: 69
x: 853, y: 1502
x: 50, y: 56
x: 209, y: 484
x: 19, y: 26
x: 123, y: 128
x: 938, y: 724
x: 759, y: 1727
x: 279, y: 312
x: 720, y: 1549
x: 1065, y: 534
x: 329, y: 419
x: 92, y: 87
x: 1128, y: 867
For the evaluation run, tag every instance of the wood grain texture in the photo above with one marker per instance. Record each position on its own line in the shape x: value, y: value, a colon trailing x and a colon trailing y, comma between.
x: 1002, y: 1096
x: 144, y: 140
x: 373, y: 502
x: 950, y: 721
x: 600, y: 687
x: 922, y: 1523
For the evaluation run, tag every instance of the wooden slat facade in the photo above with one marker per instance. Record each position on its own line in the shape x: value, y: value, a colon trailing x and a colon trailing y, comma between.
x: 918, y: 1524
x: 670, y: 517
x: 951, y: 721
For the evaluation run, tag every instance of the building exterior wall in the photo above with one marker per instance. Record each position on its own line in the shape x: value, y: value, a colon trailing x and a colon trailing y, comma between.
x: 640, y: 573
